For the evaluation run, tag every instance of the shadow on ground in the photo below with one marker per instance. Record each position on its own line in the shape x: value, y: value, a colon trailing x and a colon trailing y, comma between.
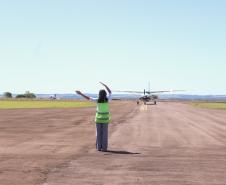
x: 120, y: 152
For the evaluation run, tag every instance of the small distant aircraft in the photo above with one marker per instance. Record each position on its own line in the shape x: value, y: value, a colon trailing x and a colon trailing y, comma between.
x: 148, y: 96
x: 54, y: 97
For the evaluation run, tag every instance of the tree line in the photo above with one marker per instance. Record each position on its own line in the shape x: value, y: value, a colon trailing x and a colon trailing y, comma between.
x: 27, y: 94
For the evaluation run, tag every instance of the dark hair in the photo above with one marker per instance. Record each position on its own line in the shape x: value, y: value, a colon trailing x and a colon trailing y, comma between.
x: 102, y: 97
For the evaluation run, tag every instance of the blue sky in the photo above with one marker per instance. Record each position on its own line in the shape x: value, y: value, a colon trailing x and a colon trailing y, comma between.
x: 50, y: 46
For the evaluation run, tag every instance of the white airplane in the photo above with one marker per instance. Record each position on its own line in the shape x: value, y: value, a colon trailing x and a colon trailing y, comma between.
x: 148, y: 95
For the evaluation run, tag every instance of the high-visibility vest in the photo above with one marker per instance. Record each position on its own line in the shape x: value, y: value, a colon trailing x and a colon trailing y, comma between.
x: 102, y: 113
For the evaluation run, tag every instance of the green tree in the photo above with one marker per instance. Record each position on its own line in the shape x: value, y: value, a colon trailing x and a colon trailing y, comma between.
x: 29, y: 95
x: 8, y: 95
x: 20, y: 96
x: 26, y: 95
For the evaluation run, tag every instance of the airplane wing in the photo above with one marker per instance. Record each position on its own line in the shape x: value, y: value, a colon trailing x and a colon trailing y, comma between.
x: 149, y: 92
x: 135, y: 92
x: 153, y: 92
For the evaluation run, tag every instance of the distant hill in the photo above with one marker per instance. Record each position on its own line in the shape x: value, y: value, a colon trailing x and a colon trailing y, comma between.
x: 193, y: 97
x: 132, y: 96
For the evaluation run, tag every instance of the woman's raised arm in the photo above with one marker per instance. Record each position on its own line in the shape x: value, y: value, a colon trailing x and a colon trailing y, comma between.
x: 83, y: 95
x: 108, y: 89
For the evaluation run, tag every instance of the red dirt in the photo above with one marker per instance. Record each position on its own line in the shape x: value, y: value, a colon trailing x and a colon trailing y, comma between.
x: 167, y: 144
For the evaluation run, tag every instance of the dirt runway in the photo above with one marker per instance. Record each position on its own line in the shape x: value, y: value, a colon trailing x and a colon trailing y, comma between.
x: 168, y: 144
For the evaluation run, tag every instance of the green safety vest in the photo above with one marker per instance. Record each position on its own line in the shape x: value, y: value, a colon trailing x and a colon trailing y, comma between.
x: 102, y: 113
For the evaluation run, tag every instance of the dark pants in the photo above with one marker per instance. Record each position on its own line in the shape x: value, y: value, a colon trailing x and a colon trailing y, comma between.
x: 102, y: 136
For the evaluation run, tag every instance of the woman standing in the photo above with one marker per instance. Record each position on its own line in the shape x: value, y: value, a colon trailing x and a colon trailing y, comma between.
x: 102, y: 117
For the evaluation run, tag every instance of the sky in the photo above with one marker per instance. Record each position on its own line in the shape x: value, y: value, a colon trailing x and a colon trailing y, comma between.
x: 58, y: 46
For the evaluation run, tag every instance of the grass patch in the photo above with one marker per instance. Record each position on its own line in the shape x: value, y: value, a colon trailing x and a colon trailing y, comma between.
x: 209, y: 105
x: 29, y: 104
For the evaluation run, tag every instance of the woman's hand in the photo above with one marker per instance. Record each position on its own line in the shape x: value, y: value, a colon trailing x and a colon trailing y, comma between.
x: 83, y: 95
x: 78, y: 92
x: 108, y: 89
